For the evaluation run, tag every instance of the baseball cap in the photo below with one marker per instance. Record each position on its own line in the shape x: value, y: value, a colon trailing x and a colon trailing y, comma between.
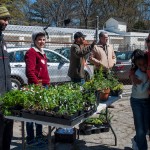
x: 78, y: 35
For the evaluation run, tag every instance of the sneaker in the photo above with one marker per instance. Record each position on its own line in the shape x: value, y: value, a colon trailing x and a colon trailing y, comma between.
x: 134, y: 145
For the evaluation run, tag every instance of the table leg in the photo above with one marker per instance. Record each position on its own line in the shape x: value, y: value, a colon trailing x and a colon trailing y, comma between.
x: 23, y: 138
x: 111, y: 127
x: 77, y: 132
x: 50, y: 144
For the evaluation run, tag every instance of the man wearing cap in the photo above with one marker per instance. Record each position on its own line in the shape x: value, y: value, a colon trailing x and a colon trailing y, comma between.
x: 103, y: 54
x: 77, y: 53
x: 6, y: 126
x: 37, y: 73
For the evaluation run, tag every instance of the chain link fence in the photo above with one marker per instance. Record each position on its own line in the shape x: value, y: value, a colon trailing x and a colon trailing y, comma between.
x: 19, y: 40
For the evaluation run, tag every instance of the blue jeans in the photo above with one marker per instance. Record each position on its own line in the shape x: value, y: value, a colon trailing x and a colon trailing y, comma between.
x: 141, y: 113
x: 30, y: 130
x: 78, y: 80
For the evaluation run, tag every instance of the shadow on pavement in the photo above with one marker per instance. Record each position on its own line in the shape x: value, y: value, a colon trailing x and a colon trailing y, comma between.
x: 77, y: 145
x: 128, y: 148
x: 81, y: 145
x: 18, y: 146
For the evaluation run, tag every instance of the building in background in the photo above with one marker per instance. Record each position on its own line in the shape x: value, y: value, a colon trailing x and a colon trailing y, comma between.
x: 18, y: 36
x: 126, y: 40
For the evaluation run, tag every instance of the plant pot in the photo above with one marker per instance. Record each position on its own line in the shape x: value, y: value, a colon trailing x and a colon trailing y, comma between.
x: 104, y: 95
x: 85, y: 126
x: 105, y: 128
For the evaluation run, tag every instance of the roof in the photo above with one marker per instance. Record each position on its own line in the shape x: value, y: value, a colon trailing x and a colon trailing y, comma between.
x: 120, y: 20
x: 52, y: 30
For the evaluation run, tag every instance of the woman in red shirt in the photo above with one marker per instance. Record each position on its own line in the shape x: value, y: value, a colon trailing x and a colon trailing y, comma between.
x: 37, y: 73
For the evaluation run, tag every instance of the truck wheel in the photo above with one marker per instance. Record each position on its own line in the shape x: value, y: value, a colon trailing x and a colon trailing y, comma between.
x: 16, y: 85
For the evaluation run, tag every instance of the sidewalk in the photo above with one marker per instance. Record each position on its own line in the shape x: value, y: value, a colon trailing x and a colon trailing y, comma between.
x: 122, y: 124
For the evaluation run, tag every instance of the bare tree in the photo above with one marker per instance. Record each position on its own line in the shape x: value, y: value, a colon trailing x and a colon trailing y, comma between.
x: 79, y: 13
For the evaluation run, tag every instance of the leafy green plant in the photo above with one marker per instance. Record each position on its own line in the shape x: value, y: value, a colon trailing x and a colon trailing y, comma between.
x: 12, y: 100
x: 114, y: 83
x: 102, y: 116
x: 94, y: 121
x: 100, y: 81
x: 68, y: 98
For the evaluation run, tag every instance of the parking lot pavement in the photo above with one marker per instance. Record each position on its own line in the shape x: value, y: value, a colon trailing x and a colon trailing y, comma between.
x: 122, y: 124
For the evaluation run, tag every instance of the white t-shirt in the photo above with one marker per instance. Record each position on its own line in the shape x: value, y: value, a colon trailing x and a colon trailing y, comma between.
x: 140, y: 91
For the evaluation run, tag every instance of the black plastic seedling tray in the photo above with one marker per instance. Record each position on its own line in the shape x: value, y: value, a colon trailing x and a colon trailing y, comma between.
x: 56, y: 120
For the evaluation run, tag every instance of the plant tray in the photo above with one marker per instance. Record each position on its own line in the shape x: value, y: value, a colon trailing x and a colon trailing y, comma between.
x: 94, y: 129
x: 17, y: 113
x: 53, y: 119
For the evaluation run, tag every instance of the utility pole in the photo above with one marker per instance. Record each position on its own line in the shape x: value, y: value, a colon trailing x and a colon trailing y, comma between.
x: 97, y: 27
x: 86, y: 14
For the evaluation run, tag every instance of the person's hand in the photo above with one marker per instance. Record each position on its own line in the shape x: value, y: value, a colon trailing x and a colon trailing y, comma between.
x: 85, y: 43
x: 135, y: 80
x: 91, y: 56
x: 39, y: 83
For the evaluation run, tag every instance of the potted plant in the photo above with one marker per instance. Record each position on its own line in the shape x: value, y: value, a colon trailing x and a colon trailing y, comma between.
x: 117, y: 90
x: 102, y: 85
x: 116, y: 87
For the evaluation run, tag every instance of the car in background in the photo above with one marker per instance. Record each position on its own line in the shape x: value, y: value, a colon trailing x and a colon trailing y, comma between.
x: 65, y: 51
x: 57, y: 67
x: 123, y: 65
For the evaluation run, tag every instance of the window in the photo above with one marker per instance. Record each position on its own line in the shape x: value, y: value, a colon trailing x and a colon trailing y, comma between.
x: 17, y: 56
x: 123, y: 55
x: 141, y: 39
x: 52, y: 57
x: 11, y: 57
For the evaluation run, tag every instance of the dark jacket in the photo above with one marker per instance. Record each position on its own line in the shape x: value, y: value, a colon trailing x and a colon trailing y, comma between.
x: 5, y: 71
x: 76, y: 68
x: 36, y: 67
